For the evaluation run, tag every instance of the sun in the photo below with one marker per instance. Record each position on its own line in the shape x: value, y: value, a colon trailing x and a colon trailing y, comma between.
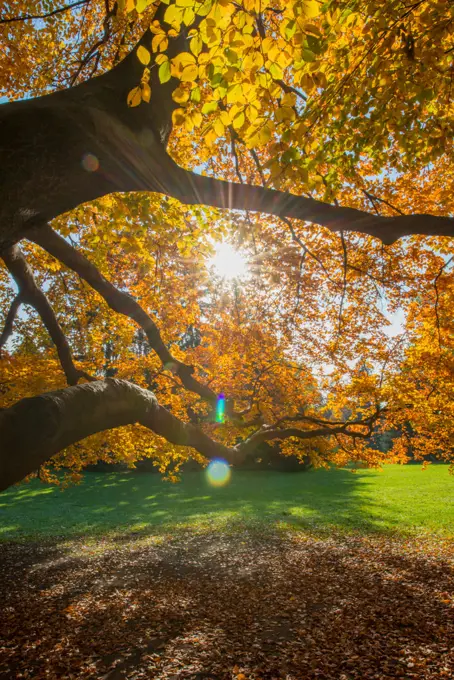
x: 228, y: 263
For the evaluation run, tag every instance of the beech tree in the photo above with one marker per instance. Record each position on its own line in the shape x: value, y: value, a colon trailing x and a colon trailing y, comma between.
x: 315, y: 136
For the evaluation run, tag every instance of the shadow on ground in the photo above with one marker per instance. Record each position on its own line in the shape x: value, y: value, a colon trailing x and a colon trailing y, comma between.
x: 219, y: 606
x: 144, y: 503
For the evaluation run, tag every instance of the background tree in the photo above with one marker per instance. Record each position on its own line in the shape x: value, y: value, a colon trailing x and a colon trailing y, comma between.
x: 326, y: 127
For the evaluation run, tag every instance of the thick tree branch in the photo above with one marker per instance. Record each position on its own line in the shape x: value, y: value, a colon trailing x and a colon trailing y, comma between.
x: 120, y: 302
x: 9, y: 321
x: 36, y: 428
x: 198, y: 189
x: 30, y: 293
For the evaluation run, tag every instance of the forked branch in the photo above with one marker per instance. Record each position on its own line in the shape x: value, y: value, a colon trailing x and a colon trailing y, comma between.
x: 30, y: 293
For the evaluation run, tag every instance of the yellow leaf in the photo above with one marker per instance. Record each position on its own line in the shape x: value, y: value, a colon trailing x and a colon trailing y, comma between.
x: 161, y: 58
x: 134, y: 97
x: 225, y: 118
x: 188, y: 16
x: 155, y: 27
x: 251, y: 5
x: 311, y: 8
x: 235, y: 95
x: 196, y: 44
x: 145, y: 75
x: 178, y: 116
x: 180, y: 95
x: 276, y: 71
x: 189, y: 73
x: 238, y: 121
x: 197, y: 118
x: 159, y: 42
x: 141, y: 5
x: 264, y: 134
x: 306, y: 82
x: 219, y: 128
x: 164, y: 72
x: 210, y: 137
x: 143, y: 55
x: 288, y: 99
x: 173, y: 15
x: 146, y: 92
x: 183, y: 59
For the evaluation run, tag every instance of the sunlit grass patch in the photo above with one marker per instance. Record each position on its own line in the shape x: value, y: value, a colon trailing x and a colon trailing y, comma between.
x: 397, y: 500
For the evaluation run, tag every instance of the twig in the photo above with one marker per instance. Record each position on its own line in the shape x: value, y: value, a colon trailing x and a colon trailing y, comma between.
x: 437, y: 297
x: 9, y: 321
x: 344, y: 280
x: 31, y: 17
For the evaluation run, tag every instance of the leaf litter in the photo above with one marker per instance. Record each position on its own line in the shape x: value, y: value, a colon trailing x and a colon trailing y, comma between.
x: 244, y: 606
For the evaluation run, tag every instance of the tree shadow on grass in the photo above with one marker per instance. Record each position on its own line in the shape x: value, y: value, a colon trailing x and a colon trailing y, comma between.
x: 119, y: 503
x: 217, y: 605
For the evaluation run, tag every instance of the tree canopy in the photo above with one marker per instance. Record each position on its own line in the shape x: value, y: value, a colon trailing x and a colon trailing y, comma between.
x: 316, y: 138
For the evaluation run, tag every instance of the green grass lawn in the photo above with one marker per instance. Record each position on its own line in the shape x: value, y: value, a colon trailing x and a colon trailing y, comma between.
x: 398, y: 499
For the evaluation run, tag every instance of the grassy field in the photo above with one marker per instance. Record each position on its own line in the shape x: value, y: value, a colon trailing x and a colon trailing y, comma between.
x: 403, y: 500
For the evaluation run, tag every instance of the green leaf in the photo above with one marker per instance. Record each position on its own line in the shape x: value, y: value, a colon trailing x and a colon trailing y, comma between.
x: 196, y: 95
x: 164, y: 72
x: 209, y: 107
x: 307, y: 55
x: 313, y: 44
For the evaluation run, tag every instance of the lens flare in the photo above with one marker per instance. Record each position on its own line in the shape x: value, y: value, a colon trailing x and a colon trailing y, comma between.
x: 220, y: 409
x: 90, y: 163
x: 218, y: 473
